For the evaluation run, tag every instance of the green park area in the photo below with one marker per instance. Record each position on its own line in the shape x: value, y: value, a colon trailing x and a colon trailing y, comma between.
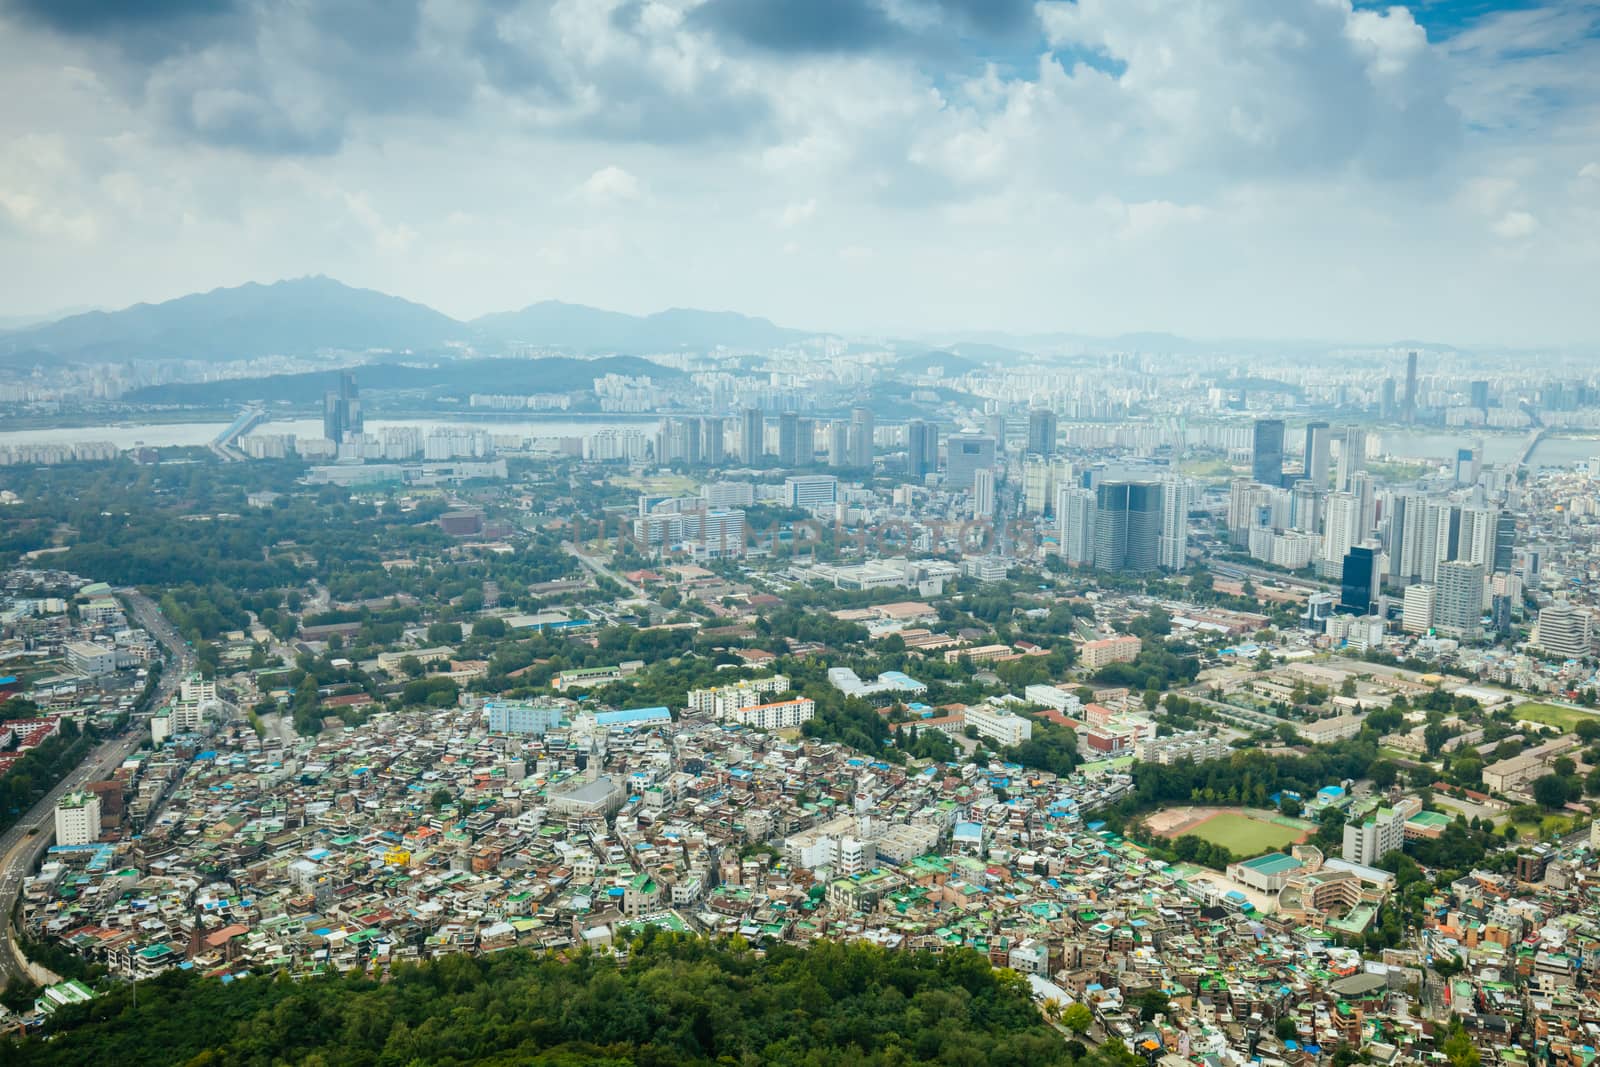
x: 1553, y: 715
x: 1246, y: 835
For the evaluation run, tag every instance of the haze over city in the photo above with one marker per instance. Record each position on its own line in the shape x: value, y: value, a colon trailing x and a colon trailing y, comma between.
x: 1237, y: 168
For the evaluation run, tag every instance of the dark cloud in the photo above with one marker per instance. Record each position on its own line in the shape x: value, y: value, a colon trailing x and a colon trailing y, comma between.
x: 142, y: 29
x: 801, y: 25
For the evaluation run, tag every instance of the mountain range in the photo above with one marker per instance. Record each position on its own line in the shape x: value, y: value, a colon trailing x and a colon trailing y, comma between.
x: 304, y: 316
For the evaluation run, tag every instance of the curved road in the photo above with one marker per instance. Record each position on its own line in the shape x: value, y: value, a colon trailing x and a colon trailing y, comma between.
x: 23, y: 844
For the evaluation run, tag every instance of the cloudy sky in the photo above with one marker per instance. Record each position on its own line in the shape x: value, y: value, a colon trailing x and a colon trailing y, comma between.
x: 1221, y: 168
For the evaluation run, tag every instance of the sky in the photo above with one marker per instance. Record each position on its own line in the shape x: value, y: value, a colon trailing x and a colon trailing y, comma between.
x: 1216, y: 168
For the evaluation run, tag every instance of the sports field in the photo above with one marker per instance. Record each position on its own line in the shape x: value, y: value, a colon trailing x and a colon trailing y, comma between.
x: 1553, y: 715
x: 1244, y: 832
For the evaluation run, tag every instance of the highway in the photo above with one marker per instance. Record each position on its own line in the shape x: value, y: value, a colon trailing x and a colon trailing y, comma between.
x: 23, y: 844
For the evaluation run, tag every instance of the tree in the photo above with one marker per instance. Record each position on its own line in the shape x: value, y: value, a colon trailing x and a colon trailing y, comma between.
x: 444, y: 633
x: 1459, y: 1049
x: 1564, y: 766
x: 1286, y: 1028
x: 1290, y: 806
x: 440, y: 798
x: 1550, y: 791
x: 1384, y: 774
x: 1077, y: 1018
x: 1153, y: 1002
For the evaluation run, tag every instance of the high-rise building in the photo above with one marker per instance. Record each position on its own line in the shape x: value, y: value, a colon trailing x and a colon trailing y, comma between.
x: 1075, y: 518
x: 788, y: 438
x: 341, y: 409
x: 1380, y: 833
x: 922, y: 449
x: 1416, y: 617
x: 78, y: 819
x: 1266, y: 452
x: 838, y: 443
x: 1565, y: 631
x: 964, y: 454
x: 1505, y: 542
x: 811, y: 491
x: 1386, y: 406
x: 861, y: 437
x: 1172, y: 551
x: 713, y: 449
x: 1352, y: 456
x: 1042, y: 432
x: 751, y: 430
x: 1127, y: 526
x: 997, y: 430
x: 1475, y: 536
x: 983, y: 493
x: 1410, y: 411
x: 1341, y: 524
x: 1458, y: 604
x: 805, y: 442
x: 1358, y: 581
x: 1480, y: 396
x: 1040, y: 477
x: 1305, y: 506
x: 1318, y: 454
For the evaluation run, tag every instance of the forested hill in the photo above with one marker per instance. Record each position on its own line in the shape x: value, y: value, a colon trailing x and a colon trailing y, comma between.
x: 679, y: 1000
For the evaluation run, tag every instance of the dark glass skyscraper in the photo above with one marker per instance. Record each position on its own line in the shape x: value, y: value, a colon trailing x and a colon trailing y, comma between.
x: 922, y: 448
x: 1266, y: 452
x: 1359, y: 582
x: 1127, y: 534
x: 1042, y: 425
x: 341, y: 410
x: 1318, y: 454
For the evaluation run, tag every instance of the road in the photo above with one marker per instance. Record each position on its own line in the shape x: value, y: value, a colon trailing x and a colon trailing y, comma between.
x: 23, y: 844
x: 601, y: 569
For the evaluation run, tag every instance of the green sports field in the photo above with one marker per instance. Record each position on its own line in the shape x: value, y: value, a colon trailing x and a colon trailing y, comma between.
x: 1553, y: 715
x: 1246, y: 836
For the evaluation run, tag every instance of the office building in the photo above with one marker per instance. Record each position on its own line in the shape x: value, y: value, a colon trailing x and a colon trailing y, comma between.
x: 1458, y: 607
x: 964, y: 454
x: 341, y: 409
x: 1565, y: 631
x: 861, y: 431
x: 1358, y: 581
x: 811, y: 491
x: 1266, y: 452
x: 1006, y: 729
x: 1417, y: 615
x: 1410, y: 411
x: 1127, y: 526
x: 1042, y: 427
x: 78, y: 819
x: 515, y: 717
x: 1040, y: 477
x: 1387, y: 405
x: 1480, y: 396
x: 1318, y: 456
x: 983, y: 493
x: 922, y: 449
x: 751, y: 428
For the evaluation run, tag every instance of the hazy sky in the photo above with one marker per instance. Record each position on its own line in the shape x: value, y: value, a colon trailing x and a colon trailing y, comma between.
x: 1282, y: 168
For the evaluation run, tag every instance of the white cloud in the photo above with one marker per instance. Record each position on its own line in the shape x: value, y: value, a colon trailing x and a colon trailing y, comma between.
x: 1514, y: 225
x: 797, y: 213
x: 610, y: 185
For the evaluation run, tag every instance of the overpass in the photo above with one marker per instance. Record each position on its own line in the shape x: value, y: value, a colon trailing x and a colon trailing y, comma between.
x: 1530, y: 444
x: 224, y: 443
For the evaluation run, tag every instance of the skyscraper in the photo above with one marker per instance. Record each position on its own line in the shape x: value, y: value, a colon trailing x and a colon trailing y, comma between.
x: 1042, y: 432
x: 341, y: 409
x: 1318, y: 453
x: 983, y: 493
x: 1386, y: 405
x: 1266, y: 452
x: 838, y: 443
x: 922, y: 448
x: 713, y: 449
x: 964, y: 454
x: 1075, y: 518
x: 1127, y: 526
x: 1352, y: 456
x: 1458, y: 605
x: 751, y: 430
x: 1342, y: 520
x: 1358, y: 581
x: 1172, y: 550
x: 1565, y: 631
x: 1410, y: 411
x: 861, y: 437
x: 1480, y: 396
x: 788, y: 438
